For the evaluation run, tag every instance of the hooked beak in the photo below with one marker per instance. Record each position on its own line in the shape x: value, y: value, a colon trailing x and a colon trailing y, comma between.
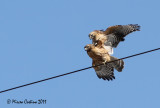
x: 90, y: 37
x: 85, y: 49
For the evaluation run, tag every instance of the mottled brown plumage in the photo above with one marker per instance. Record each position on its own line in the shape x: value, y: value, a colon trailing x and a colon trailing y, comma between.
x: 100, y: 57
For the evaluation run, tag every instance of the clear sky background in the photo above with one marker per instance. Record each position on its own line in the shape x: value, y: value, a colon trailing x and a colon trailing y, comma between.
x: 44, y: 38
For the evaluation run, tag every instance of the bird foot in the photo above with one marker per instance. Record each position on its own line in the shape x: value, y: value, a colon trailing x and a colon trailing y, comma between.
x: 104, y: 62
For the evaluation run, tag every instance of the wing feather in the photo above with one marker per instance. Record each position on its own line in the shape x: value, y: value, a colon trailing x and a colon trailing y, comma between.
x: 115, y: 34
x: 106, y: 72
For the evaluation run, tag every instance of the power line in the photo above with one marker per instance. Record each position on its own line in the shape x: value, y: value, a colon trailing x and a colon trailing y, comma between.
x: 74, y: 71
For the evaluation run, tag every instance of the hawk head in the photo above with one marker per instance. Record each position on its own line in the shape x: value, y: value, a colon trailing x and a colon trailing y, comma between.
x: 88, y: 47
x: 93, y: 34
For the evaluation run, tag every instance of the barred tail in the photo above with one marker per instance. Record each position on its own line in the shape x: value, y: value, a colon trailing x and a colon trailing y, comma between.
x: 118, y: 65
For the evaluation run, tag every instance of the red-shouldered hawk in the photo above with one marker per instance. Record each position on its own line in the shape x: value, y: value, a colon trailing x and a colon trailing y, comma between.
x: 113, y: 35
x: 100, y: 57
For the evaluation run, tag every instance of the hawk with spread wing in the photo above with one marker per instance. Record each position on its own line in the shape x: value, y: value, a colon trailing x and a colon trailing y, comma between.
x: 111, y: 37
x: 100, y: 57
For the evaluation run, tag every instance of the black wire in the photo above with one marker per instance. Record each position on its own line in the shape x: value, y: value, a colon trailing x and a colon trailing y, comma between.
x: 75, y: 71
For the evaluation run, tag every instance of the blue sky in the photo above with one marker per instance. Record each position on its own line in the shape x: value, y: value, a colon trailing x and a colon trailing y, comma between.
x: 44, y: 38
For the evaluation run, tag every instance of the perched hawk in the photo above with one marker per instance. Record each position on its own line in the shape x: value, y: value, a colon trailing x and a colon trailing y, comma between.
x: 111, y: 37
x: 99, y: 57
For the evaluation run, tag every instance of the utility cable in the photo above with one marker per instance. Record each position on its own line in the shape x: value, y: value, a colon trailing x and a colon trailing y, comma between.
x: 75, y: 71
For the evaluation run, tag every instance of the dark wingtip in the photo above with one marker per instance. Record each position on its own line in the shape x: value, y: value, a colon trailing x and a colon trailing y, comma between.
x: 113, y: 77
x: 122, y: 39
x: 108, y: 78
x: 101, y: 30
x: 136, y: 27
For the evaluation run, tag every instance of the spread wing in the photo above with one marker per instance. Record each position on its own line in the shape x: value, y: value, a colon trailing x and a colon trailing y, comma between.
x: 115, y: 34
x: 106, y: 72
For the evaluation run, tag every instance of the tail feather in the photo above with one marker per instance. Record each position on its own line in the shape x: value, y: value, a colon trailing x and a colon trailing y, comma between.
x: 118, y: 65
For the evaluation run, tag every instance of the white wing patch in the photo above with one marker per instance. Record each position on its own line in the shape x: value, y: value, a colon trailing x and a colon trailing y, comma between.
x: 109, y: 49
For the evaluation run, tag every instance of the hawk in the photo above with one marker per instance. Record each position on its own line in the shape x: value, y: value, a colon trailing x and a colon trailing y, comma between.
x: 111, y: 37
x: 100, y: 57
